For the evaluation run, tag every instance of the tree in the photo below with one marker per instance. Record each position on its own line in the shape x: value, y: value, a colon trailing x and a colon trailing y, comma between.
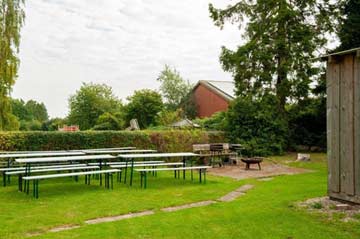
x: 19, y: 110
x: 173, y: 87
x: 91, y: 101
x: 281, y: 41
x: 349, y: 33
x: 144, y: 106
x: 11, y: 20
x: 37, y: 110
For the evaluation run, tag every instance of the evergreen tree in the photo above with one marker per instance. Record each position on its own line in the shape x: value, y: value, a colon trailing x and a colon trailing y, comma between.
x: 349, y: 33
x: 281, y: 39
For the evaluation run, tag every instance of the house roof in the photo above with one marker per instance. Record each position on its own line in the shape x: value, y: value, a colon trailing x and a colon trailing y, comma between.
x: 354, y: 50
x: 225, y: 89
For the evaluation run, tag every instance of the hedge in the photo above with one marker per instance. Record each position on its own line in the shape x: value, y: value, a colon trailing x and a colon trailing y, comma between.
x: 163, y: 141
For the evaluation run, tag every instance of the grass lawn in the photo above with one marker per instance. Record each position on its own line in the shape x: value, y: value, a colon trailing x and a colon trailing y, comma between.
x: 266, y: 211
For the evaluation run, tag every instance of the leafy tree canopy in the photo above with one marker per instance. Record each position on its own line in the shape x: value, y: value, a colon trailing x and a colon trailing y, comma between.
x: 173, y: 87
x: 11, y: 20
x: 349, y: 33
x: 91, y: 101
x: 281, y: 40
x: 144, y: 106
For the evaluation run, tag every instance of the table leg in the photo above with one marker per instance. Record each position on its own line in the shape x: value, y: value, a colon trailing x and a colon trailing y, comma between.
x: 125, y: 174
x: 131, y: 171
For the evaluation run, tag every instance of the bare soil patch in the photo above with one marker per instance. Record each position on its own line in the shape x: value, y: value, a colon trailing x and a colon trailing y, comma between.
x: 268, y: 169
x: 344, y: 211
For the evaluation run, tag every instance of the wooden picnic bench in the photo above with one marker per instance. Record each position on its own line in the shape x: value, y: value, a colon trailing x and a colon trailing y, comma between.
x: 143, y: 173
x: 5, y: 170
x: 31, y: 161
x: 48, y: 170
x: 129, y: 159
x: 145, y: 164
x: 124, y: 163
x: 108, y: 178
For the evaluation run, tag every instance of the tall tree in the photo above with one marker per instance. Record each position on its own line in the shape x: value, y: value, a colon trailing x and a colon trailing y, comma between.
x: 144, y: 106
x: 349, y: 32
x: 91, y: 101
x: 37, y: 110
x: 173, y: 87
x: 281, y: 39
x: 11, y: 20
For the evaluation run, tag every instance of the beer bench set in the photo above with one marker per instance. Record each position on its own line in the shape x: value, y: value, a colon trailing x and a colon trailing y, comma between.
x: 81, y: 163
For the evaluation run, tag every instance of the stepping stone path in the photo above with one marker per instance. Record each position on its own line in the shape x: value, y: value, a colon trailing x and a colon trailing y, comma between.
x: 118, y: 218
x: 227, y: 198
x: 196, y: 204
x: 235, y: 194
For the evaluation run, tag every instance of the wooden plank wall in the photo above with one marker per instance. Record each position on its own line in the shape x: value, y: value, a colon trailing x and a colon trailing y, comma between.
x: 333, y: 124
x: 343, y: 126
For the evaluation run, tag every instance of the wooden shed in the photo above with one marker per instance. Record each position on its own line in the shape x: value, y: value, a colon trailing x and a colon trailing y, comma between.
x: 343, y: 125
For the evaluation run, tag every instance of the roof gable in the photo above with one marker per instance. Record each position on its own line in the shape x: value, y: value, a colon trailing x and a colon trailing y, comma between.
x: 225, y: 89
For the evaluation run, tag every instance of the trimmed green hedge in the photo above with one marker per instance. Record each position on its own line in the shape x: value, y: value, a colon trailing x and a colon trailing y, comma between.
x: 163, y: 141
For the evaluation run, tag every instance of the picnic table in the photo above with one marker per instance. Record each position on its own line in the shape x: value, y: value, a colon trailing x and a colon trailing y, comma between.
x: 11, y: 156
x: 30, y: 161
x: 130, y: 158
x: 117, y: 151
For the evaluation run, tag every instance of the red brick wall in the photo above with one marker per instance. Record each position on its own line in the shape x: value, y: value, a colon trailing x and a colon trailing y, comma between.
x: 208, y: 102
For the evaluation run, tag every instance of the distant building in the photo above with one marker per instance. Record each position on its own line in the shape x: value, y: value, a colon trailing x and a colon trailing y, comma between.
x: 69, y: 128
x: 212, y: 96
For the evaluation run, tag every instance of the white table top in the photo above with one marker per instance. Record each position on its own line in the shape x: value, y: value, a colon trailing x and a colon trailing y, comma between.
x: 40, y: 154
x: 107, y: 149
x: 119, y: 151
x: 65, y: 159
x: 158, y: 155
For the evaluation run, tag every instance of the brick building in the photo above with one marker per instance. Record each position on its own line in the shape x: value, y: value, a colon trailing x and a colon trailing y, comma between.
x: 212, y: 96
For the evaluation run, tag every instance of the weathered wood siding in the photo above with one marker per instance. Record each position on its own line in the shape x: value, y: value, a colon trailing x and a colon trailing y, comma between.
x: 343, y: 126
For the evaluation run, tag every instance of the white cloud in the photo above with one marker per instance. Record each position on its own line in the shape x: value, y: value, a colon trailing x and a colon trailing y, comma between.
x: 121, y: 43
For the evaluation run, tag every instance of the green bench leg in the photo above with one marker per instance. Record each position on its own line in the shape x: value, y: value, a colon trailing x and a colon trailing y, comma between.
x: 141, y: 179
x: 112, y: 181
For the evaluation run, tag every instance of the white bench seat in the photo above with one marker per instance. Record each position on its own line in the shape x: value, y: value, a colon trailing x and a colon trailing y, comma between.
x: 52, y: 170
x: 171, y: 169
x: 124, y: 163
x: 148, y: 165
x: 108, y: 178
x: 41, y: 167
x: 62, y: 175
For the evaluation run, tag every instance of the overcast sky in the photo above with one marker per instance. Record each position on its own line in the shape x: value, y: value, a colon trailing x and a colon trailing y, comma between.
x: 124, y: 44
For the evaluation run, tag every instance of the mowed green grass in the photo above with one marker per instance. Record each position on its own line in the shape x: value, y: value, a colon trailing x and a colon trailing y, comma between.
x: 266, y: 211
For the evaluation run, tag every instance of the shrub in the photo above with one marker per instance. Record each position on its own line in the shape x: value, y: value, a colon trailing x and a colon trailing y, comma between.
x: 164, y: 141
x: 258, y: 125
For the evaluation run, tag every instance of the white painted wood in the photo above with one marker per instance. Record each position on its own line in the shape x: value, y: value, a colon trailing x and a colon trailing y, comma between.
x: 158, y: 155
x: 65, y: 159
x: 62, y: 175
